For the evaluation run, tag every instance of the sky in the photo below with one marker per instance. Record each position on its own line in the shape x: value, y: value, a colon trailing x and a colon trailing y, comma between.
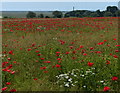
x: 52, y: 6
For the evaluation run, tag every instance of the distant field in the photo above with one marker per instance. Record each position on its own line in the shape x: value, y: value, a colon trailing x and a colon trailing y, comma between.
x: 66, y: 54
x: 22, y: 14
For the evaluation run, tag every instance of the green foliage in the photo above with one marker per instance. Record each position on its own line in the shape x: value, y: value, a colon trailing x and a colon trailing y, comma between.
x: 47, y: 17
x: 117, y: 13
x: 57, y: 14
x: 40, y: 16
x: 31, y: 14
x: 108, y: 14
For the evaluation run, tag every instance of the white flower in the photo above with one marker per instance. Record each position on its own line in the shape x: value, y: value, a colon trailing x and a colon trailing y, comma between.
x: 67, y: 84
x: 72, y: 84
x: 70, y: 79
x: 75, y: 75
x: 84, y: 86
x: 93, y: 73
x: 82, y: 75
x: 66, y: 77
x: 88, y: 72
x: 76, y: 81
x: 72, y: 73
x: 101, y: 81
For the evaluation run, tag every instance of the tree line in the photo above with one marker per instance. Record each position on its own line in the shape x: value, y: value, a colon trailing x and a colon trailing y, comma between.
x: 111, y: 11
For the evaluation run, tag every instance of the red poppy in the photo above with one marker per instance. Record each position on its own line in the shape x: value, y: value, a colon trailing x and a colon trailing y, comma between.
x: 45, y: 71
x: 71, y: 47
x: 9, y: 58
x: 108, y: 62
x: 67, y: 52
x: 100, y: 43
x: 29, y: 49
x: 42, y: 58
x: 37, y: 51
x: 81, y: 46
x: 84, y: 54
x: 35, y: 79
x: 8, y: 83
x: 116, y: 50
x: 38, y: 54
x: 42, y: 68
x: 57, y: 65
x: 3, y: 89
x: 115, y: 56
x: 117, y: 45
x: 10, y: 52
x: 91, y: 48
x: 13, y: 90
x: 90, y: 64
x: 114, y: 78
x: 57, y: 52
x: 106, y: 88
x: 59, y: 59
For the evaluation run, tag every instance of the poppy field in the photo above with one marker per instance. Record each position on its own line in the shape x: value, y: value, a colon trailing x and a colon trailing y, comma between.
x: 67, y: 54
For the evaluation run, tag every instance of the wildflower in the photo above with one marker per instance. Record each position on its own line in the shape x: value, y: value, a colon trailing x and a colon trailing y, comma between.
x: 3, y: 89
x: 115, y: 56
x: 12, y: 72
x: 67, y: 52
x: 42, y: 58
x: 29, y: 49
x: 9, y: 58
x: 35, y: 79
x: 38, y: 54
x: 100, y: 43
x: 91, y: 48
x: 13, y: 90
x: 42, y: 68
x: 114, y: 78
x: 108, y: 62
x: 57, y: 65
x: 59, y: 59
x: 67, y: 84
x: 10, y: 52
x: 114, y: 39
x: 37, y: 51
x: 105, y: 40
x: 106, y: 88
x: 71, y: 47
x: 116, y: 50
x: 45, y: 71
x: 81, y: 46
x: 57, y: 52
x: 8, y: 83
x: 90, y: 64
x: 84, y: 54
x: 117, y: 45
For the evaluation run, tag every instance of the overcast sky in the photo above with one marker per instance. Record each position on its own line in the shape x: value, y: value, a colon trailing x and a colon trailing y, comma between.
x: 51, y: 6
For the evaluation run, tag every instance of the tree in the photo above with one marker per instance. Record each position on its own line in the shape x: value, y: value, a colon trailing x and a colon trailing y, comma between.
x: 108, y: 14
x: 117, y: 13
x: 87, y: 13
x: 41, y: 16
x: 47, y: 17
x: 77, y: 14
x: 112, y: 9
x: 5, y: 17
x: 67, y: 15
x: 31, y: 14
x: 99, y: 13
x: 57, y: 14
x: 94, y: 14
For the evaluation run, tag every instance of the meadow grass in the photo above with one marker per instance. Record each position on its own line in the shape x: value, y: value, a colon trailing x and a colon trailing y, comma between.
x: 41, y: 50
